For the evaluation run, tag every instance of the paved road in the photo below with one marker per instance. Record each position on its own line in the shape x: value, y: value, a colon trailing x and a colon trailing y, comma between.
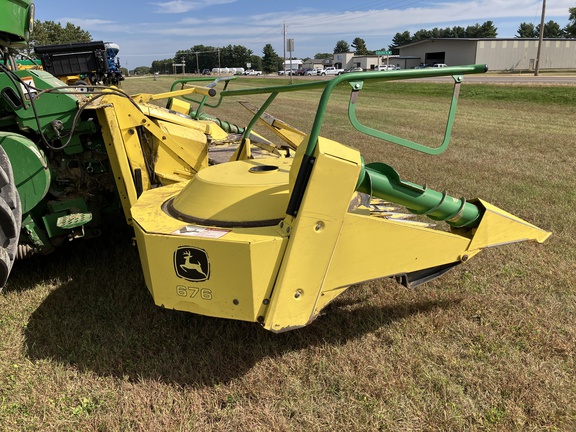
x: 515, y: 79
x: 542, y: 79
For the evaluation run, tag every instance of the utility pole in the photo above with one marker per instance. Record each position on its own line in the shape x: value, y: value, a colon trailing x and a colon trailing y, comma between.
x: 284, y: 43
x: 541, y: 39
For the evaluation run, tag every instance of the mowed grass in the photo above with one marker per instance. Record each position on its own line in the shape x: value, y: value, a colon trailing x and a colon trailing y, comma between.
x: 489, y: 346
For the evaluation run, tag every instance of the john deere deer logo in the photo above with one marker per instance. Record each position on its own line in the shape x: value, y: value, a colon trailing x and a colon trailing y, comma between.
x: 192, y: 264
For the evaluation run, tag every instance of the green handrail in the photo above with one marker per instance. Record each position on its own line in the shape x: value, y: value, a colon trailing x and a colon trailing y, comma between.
x: 356, y: 87
x: 380, y: 76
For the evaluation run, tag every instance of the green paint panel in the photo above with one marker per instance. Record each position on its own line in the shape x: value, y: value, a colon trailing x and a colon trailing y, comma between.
x: 31, y: 173
x: 17, y: 16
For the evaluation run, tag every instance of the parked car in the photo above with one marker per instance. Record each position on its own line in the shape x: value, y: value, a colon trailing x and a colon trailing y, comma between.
x: 387, y: 67
x: 439, y: 65
x: 313, y: 71
x: 252, y: 72
x: 206, y: 72
x: 351, y: 69
x: 331, y: 70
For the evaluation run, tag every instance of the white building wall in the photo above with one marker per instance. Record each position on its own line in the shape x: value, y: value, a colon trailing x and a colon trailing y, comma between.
x: 455, y: 52
x: 498, y: 54
x: 520, y: 54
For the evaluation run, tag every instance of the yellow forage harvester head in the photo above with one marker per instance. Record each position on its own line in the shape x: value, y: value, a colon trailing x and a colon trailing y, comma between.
x: 275, y: 239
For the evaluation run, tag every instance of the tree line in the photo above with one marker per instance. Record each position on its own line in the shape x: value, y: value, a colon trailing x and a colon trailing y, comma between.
x: 201, y: 57
x: 485, y: 30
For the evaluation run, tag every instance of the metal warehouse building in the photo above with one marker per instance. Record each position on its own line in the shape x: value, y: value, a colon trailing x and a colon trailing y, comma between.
x: 499, y: 54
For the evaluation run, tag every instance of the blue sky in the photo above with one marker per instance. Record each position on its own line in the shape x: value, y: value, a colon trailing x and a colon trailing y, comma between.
x: 155, y: 30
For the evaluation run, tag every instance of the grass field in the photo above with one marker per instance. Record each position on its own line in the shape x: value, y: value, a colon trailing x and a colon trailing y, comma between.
x: 489, y: 346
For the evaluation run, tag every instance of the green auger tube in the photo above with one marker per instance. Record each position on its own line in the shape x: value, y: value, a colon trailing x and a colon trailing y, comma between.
x: 382, y: 181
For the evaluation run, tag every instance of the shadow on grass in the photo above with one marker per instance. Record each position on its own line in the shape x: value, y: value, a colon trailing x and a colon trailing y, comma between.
x: 101, y: 318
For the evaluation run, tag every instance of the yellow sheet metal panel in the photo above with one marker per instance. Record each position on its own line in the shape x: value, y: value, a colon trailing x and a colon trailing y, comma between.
x: 401, y: 247
x: 218, y: 277
x: 240, y: 191
x: 212, y: 271
x: 182, y: 156
x: 180, y: 106
x: 314, y: 235
x: 500, y: 227
x: 371, y: 248
x: 119, y: 161
x: 207, y: 127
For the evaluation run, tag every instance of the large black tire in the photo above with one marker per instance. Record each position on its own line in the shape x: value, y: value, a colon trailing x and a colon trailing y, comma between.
x: 10, y: 218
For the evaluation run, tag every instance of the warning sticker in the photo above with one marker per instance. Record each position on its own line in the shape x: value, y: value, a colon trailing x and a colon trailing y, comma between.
x: 28, y: 88
x: 198, y: 231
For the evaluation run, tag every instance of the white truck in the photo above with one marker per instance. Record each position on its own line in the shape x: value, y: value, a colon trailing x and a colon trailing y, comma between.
x: 331, y: 70
x: 252, y: 72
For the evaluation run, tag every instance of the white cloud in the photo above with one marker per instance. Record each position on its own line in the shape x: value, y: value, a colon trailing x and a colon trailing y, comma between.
x: 183, y: 6
x: 86, y: 24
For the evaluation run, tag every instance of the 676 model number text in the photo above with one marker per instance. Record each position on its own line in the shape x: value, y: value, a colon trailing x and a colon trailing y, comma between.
x: 191, y: 292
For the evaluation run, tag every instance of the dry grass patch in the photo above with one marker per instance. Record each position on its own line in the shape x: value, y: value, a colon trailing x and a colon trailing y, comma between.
x: 489, y: 346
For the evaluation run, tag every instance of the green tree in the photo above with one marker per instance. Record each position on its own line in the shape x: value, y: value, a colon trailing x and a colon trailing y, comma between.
x: 526, y: 30
x: 235, y: 56
x: 421, y: 35
x: 449, y: 32
x: 52, y: 33
x: 489, y: 30
x: 270, y: 60
x: 162, y: 66
x: 400, y: 39
x: 458, y: 32
x: 570, y: 29
x: 473, y: 31
x: 141, y: 70
x: 185, y: 56
x: 256, y: 62
x: 323, y: 55
x: 359, y: 46
x: 207, y: 56
x: 485, y: 30
x: 341, y: 47
x: 441, y: 33
x: 551, y: 30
